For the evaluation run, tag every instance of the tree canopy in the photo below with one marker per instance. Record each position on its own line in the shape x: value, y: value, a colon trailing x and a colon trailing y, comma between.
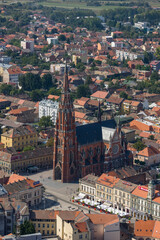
x: 27, y: 228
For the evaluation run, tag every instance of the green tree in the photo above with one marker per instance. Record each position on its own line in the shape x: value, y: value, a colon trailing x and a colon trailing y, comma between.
x: 37, y: 95
x: 151, y: 137
x: 6, y: 89
x: 62, y: 37
x: 139, y: 145
x: 54, y: 91
x: 147, y: 57
x: 30, y: 81
x: 154, y: 76
x: 45, y: 122
x: 27, y: 228
x: 47, y: 81
x: 88, y: 80
x: 83, y: 91
x: 80, y: 66
x: 124, y: 95
x: 157, y: 53
x: 50, y: 142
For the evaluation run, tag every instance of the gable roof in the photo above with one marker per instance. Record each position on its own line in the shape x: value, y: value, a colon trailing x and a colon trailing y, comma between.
x: 106, y: 180
x: 144, y: 228
x: 68, y: 215
x: 100, y: 94
x: 149, y: 151
x: 44, y: 214
x: 92, y: 132
x: 104, y: 219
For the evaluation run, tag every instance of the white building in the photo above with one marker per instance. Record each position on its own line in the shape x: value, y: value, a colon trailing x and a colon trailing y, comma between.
x: 58, y: 68
x: 117, y: 44
x: 28, y: 44
x: 53, y: 41
x: 141, y: 25
x: 48, y: 108
x: 125, y: 55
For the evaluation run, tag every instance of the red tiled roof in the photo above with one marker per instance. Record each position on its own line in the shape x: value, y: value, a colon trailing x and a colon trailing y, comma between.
x: 144, y: 228
x: 109, y: 181
x: 149, y: 151
x: 100, y: 94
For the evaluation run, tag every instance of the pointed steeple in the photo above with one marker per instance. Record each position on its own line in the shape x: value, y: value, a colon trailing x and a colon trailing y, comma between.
x: 99, y: 112
x: 65, y: 81
x: 118, y: 125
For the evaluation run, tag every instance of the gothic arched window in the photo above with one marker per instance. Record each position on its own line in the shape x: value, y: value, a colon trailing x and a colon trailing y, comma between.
x: 59, y: 156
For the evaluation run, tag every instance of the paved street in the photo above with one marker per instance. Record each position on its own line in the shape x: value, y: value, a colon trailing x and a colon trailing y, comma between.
x: 58, y: 195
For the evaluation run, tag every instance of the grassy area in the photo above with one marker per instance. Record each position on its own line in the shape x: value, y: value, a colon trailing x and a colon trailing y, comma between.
x: 82, y: 4
x: 71, y: 5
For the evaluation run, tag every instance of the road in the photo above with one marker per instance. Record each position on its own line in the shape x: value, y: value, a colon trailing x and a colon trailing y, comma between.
x: 58, y: 196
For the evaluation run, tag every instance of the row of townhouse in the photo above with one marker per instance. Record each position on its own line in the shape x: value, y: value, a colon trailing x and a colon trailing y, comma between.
x: 142, y: 202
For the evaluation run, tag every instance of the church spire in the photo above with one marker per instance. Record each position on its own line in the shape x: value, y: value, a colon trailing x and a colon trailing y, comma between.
x: 65, y: 81
x: 99, y: 112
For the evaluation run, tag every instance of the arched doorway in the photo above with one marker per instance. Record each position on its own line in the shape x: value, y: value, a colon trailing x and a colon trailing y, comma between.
x: 58, y: 173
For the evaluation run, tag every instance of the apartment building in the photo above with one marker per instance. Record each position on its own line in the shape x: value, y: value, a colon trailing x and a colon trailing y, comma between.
x: 48, y: 108
x: 126, y: 55
x: 20, y: 137
x: 44, y: 221
x: 130, y: 106
x: 11, y: 75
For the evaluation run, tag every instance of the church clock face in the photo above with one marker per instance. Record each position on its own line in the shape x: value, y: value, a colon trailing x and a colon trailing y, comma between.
x: 115, y: 149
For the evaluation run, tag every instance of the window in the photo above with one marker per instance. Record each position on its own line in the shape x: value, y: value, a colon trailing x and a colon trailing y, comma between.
x: 43, y: 225
x: 43, y: 233
x: 80, y: 236
x: 47, y: 225
x: 39, y: 225
x: 48, y: 232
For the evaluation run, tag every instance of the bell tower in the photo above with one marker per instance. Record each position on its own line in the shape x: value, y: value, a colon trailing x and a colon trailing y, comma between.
x: 65, y: 143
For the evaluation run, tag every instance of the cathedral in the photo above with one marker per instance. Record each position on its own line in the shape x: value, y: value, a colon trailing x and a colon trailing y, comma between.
x: 91, y: 148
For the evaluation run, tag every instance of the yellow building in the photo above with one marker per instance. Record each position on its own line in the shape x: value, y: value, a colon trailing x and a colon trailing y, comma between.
x: 20, y: 137
x: 44, y: 221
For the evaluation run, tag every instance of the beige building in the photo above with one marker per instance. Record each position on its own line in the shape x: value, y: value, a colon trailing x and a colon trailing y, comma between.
x: 72, y: 225
x: 87, y: 185
x: 122, y: 195
x: 142, y: 202
x: 105, y: 188
x: 150, y: 156
x: 104, y: 226
x: 24, y: 189
x: 11, y: 75
x: 12, y: 161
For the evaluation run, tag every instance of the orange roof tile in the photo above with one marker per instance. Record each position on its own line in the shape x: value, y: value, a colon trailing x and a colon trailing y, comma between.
x: 18, y: 111
x: 149, y: 151
x: 15, y: 178
x: 82, y: 226
x: 105, y: 219
x: 156, y: 231
x: 144, y: 228
x: 109, y: 181
x: 100, y: 94
x: 53, y: 96
x: 79, y: 115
